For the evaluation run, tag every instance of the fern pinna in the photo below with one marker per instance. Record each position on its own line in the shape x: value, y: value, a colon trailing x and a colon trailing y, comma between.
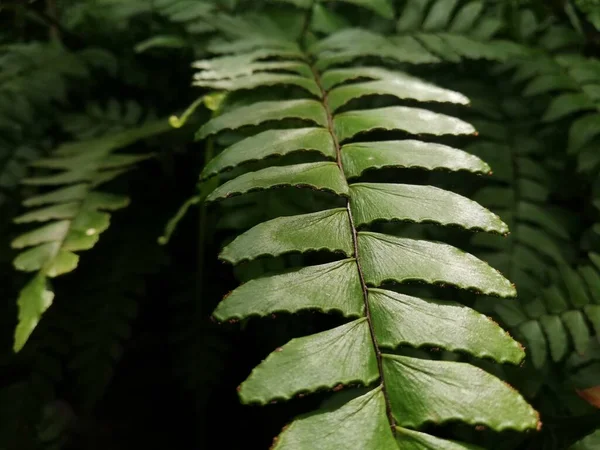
x: 405, y: 392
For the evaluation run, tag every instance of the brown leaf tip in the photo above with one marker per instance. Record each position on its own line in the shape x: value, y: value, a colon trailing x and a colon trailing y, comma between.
x: 338, y: 388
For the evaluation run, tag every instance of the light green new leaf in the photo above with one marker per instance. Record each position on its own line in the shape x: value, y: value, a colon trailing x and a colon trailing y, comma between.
x: 261, y: 112
x: 423, y: 391
x: 411, y: 120
x: 359, y: 424
x: 48, y: 255
x: 322, y: 175
x: 381, y: 7
x: 271, y: 143
x: 371, y: 202
x: 33, y: 301
x: 401, y: 86
x: 343, y: 355
x: 389, y: 258
x: 260, y: 79
x: 55, y: 231
x: 401, y: 319
x: 358, y: 157
x: 328, y: 287
x: 329, y: 229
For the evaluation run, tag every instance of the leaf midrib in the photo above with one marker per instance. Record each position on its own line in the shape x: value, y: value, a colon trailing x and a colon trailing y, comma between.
x: 363, y: 284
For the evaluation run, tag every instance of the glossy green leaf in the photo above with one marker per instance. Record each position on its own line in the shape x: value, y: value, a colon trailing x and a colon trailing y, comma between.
x: 342, y: 355
x: 401, y: 86
x: 401, y: 319
x: 358, y: 157
x: 371, y: 202
x: 229, y: 67
x: 260, y: 79
x: 271, y: 143
x: 411, y: 120
x: 329, y: 229
x: 335, y: 77
x: 359, y: 424
x: 389, y: 258
x: 328, y: 287
x: 261, y: 112
x: 323, y: 175
x: 423, y: 391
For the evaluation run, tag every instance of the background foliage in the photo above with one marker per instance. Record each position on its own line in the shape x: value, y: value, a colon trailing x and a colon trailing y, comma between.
x: 126, y: 355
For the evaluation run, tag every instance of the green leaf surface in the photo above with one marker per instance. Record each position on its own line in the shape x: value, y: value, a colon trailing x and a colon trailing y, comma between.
x: 244, y: 64
x: 401, y: 319
x: 372, y: 202
x: 342, y: 355
x: 389, y: 258
x: 359, y: 424
x: 323, y: 175
x: 261, y: 112
x: 260, y: 79
x: 439, y: 15
x: 423, y: 391
x: 466, y: 17
x: 556, y: 335
x: 33, y: 301
x: 329, y: 229
x: 335, y: 77
x: 401, y: 86
x: 271, y: 143
x: 412, y: 120
x: 332, y: 287
x: 358, y: 157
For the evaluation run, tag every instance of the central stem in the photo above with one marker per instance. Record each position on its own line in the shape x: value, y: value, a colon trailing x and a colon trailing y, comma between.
x: 363, y: 284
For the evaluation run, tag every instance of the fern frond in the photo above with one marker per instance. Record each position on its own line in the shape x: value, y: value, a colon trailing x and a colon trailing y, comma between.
x: 98, y: 120
x: 564, y: 317
x: 73, y: 213
x: 454, y: 30
x: 573, y: 82
x: 407, y: 392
